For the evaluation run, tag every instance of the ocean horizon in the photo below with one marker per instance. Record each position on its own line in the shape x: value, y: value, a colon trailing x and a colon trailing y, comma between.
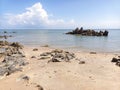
x: 58, y: 39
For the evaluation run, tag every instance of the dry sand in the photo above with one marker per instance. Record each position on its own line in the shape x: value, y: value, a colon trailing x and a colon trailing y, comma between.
x: 98, y: 73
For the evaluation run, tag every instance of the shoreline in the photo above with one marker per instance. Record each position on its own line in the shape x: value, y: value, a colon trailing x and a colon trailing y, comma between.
x: 71, y: 49
x: 63, y: 41
x: 88, y: 71
x: 45, y: 71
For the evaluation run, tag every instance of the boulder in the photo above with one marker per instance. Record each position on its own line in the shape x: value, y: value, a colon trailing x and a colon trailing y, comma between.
x: 82, y: 62
x: 105, y: 33
x: 116, y: 60
x: 35, y: 49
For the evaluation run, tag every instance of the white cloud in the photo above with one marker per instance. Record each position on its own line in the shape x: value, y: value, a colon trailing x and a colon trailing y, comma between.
x: 36, y: 17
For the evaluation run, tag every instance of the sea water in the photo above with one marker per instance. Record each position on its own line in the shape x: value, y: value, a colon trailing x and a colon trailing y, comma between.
x: 58, y: 39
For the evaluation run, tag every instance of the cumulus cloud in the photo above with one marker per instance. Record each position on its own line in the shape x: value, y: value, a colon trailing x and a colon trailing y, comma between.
x: 37, y: 17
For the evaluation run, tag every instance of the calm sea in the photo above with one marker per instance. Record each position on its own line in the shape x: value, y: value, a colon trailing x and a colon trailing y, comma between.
x: 57, y: 38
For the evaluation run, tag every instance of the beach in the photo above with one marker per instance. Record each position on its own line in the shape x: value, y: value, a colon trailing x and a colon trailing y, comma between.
x: 96, y: 73
x: 59, y: 44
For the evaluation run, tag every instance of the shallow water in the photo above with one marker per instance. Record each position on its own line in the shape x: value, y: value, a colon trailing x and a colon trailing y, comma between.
x: 57, y: 38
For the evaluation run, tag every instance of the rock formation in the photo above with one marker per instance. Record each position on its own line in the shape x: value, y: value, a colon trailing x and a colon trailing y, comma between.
x: 88, y: 32
x: 13, y: 58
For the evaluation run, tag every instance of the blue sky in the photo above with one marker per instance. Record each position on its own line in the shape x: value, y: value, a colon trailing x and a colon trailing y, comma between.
x: 59, y: 13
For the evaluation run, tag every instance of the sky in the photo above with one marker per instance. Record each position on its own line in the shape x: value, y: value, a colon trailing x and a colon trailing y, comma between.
x: 65, y: 14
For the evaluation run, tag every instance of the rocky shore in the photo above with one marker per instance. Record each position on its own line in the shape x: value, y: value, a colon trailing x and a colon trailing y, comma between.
x: 88, y: 32
x: 13, y: 57
x: 45, y: 68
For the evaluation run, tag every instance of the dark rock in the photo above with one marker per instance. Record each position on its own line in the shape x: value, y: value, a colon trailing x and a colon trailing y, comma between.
x: 33, y: 57
x: 39, y: 87
x: 13, y: 32
x: 81, y: 29
x: 114, y: 60
x: 105, y: 33
x: 44, y: 54
x: 43, y: 58
x: 45, y: 46
x: 117, y: 61
x: 35, y: 49
x: 118, y: 56
x: 88, y: 32
x: 82, y: 62
x: 5, y: 31
x: 25, y: 78
x: 93, y: 53
x: 57, y: 51
x: 55, y: 60
x: 16, y: 44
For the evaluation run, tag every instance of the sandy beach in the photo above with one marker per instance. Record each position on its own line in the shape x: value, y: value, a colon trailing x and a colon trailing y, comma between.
x: 59, y: 44
x: 96, y: 73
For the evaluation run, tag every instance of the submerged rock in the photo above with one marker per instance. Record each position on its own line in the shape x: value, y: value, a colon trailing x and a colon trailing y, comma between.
x: 5, y: 31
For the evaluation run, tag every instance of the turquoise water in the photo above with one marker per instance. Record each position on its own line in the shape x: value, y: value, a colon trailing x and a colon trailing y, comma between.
x: 57, y: 38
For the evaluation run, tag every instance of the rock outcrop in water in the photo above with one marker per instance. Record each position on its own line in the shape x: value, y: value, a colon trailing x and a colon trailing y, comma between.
x: 6, y: 35
x: 88, y: 32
